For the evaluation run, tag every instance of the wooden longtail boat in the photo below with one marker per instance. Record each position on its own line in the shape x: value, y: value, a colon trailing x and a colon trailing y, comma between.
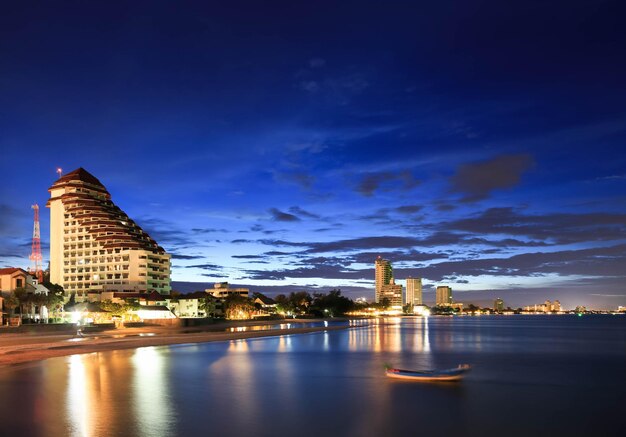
x: 430, y: 375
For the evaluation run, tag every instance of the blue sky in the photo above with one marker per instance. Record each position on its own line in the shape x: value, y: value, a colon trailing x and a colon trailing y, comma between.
x: 286, y: 145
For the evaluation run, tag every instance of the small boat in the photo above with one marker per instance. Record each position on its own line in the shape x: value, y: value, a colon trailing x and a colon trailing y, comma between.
x: 430, y: 375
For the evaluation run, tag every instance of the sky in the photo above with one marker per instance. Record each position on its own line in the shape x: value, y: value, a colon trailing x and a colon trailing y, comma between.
x: 286, y: 145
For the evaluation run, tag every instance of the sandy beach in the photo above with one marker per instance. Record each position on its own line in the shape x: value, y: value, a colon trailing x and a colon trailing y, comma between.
x: 22, y: 348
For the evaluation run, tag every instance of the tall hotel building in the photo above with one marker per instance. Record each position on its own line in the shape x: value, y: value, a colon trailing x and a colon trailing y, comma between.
x: 414, y: 291
x: 96, y: 247
x: 383, y: 276
x: 443, y: 295
x: 385, y: 284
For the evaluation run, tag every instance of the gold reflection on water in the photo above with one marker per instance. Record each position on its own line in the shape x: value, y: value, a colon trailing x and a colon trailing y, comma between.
x: 78, y: 400
x: 426, y: 336
x: 243, y: 389
x: 91, y: 395
x: 284, y: 343
x: 151, y: 403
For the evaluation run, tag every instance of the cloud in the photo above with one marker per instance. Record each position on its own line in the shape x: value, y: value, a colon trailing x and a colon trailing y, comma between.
x: 336, y: 89
x: 301, y: 178
x: 398, y: 256
x: 165, y: 232
x: 445, y: 207
x: 302, y: 213
x: 476, y: 181
x: 436, y: 239
x: 363, y: 243
x: 276, y: 253
x: 557, y: 228
x: 9, y: 217
x: 408, y: 209
x: 247, y: 256
x: 321, y: 271
x: 207, y: 230
x: 205, y: 267
x: 179, y: 256
x: 386, y: 181
x: 595, y: 262
x: 280, y: 216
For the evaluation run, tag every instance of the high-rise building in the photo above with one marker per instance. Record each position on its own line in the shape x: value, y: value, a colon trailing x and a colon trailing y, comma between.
x: 383, y: 276
x: 443, y: 295
x: 498, y: 305
x: 95, y: 246
x: 414, y: 291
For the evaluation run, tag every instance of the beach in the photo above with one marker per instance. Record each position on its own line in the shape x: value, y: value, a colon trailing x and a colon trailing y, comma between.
x: 22, y: 348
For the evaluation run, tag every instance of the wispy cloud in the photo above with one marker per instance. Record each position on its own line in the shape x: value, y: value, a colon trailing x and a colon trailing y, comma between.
x: 281, y: 216
x: 386, y: 181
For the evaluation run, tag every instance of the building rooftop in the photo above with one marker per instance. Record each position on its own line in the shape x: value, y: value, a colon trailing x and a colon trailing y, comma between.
x: 80, y: 174
x: 11, y: 270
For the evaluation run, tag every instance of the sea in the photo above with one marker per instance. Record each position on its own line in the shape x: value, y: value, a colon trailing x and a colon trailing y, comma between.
x: 531, y: 376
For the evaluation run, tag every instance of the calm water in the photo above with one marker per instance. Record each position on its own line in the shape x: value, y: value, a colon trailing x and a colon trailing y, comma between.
x: 554, y: 375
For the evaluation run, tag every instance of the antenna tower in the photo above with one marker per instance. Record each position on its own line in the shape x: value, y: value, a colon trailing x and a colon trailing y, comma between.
x: 35, y: 255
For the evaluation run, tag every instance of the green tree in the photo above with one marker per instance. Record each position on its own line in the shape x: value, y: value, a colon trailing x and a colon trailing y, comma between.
x: 116, y: 309
x: 26, y: 301
x: 283, y: 304
x: 54, y: 300
x: 238, y: 307
x: 331, y: 304
x: 300, y: 302
x: 209, y: 306
x: 10, y: 303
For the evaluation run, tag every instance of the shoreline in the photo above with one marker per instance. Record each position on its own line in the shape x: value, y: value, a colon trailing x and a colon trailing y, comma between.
x: 16, y: 350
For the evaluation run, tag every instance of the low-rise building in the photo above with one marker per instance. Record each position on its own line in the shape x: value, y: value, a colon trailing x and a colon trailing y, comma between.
x: 222, y: 290
x: 12, y: 278
x: 267, y: 305
x: 194, y: 305
x: 393, y: 292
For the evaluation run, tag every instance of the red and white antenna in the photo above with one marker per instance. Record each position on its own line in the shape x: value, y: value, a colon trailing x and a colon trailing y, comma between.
x: 35, y: 255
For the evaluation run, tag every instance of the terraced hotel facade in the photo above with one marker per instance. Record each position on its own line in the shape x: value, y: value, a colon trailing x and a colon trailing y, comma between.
x: 95, y: 247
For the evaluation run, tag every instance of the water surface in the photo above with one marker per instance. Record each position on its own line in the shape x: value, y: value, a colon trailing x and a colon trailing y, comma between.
x: 535, y: 375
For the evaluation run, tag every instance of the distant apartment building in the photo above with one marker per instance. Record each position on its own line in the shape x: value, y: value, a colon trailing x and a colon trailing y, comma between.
x: 546, y: 307
x: 498, y: 305
x: 222, y: 290
x: 95, y: 246
x: 413, y: 291
x: 443, y: 295
x: 383, y: 276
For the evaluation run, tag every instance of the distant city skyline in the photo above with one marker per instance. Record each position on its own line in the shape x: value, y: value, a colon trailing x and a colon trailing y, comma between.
x: 479, y: 146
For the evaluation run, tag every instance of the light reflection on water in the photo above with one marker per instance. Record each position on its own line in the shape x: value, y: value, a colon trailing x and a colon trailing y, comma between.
x: 332, y: 383
x: 78, y: 399
x: 153, y: 408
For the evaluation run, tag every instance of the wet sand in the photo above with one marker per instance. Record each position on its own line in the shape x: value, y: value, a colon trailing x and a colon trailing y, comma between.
x: 22, y: 348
